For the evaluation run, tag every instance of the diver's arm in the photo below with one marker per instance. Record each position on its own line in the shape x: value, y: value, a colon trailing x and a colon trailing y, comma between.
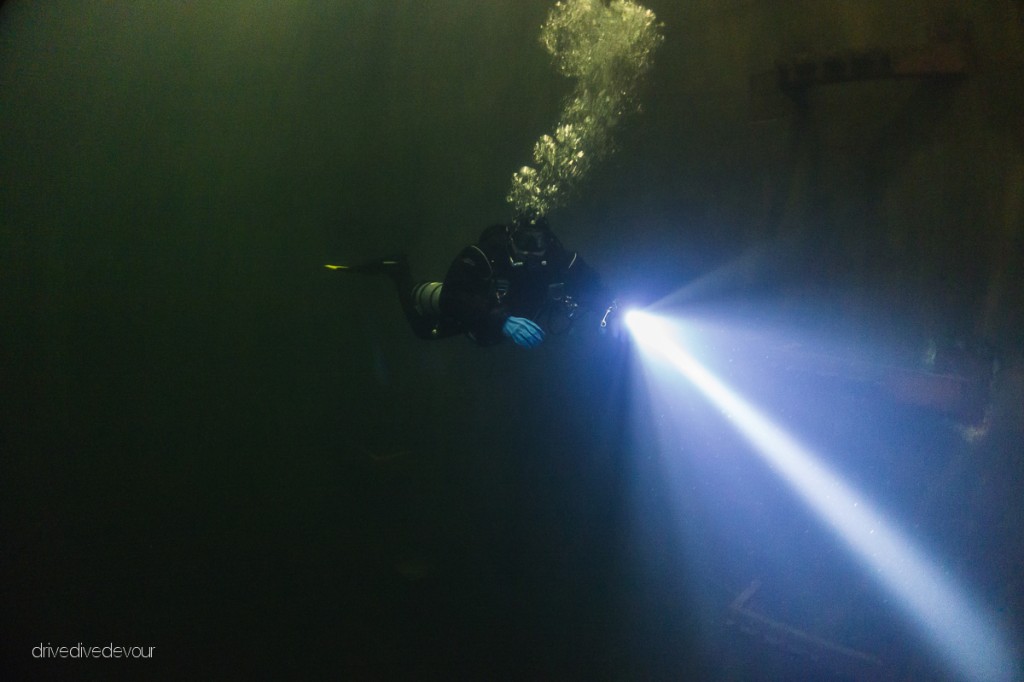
x: 465, y: 296
x: 585, y: 284
x: 586, y: 289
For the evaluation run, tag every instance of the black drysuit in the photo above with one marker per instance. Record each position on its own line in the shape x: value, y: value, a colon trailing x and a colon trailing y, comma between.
x: 486, y: 284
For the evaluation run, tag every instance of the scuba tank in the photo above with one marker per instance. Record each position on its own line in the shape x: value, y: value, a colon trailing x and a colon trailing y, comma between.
x: 426, y: 298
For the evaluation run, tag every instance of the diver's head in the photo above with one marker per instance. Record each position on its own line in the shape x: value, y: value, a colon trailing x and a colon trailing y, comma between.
x: 528, y: 241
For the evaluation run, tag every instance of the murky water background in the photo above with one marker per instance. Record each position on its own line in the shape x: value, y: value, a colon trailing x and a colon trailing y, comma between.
x: 212, y: 446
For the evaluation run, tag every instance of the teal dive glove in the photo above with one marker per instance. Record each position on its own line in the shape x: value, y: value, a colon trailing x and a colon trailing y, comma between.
x: 523, y: 332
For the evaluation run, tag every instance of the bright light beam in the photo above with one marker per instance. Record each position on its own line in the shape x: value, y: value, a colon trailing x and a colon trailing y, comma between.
x: 972, y: 645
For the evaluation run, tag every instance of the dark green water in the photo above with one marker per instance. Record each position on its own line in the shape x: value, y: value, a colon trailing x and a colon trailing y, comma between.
x: 211, y: 446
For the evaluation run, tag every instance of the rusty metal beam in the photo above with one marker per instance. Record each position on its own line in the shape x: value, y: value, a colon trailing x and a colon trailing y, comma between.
x: 941, y: 60
x: 773, y: 92
x: 840, y: 659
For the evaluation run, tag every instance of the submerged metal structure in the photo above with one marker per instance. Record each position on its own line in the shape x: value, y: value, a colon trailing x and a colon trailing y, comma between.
x: 804, y: 649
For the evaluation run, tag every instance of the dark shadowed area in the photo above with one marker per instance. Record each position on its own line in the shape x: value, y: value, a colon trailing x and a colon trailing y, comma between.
x: 213, y: 446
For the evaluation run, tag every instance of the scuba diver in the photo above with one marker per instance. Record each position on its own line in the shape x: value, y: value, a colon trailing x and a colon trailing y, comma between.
x: 516, y: 282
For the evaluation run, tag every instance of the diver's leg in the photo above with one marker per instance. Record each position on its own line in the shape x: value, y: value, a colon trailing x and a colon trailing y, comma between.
x: 398, y: 271
x: 375, y: 266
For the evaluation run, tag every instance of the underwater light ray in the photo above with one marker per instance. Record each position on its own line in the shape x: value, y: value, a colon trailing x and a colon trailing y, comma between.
x: 967, y: 641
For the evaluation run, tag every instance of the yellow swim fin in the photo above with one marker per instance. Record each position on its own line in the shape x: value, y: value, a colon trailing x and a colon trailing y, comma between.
x: 336, y: 267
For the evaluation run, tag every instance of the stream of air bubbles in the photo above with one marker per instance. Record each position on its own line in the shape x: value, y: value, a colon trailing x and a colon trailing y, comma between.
x: 605, y: 47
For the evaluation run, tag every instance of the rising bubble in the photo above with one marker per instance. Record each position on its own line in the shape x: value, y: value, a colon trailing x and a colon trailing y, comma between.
x: 606, y: 47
